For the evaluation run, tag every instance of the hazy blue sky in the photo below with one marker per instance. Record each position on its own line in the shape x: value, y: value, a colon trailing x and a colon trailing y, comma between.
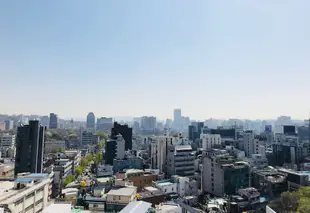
x: 212, y: 58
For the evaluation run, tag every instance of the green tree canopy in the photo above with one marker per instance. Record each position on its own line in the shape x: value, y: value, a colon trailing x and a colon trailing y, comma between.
x: 102, y: 134
x: 68, y: 179
x: 78, y: 170
x: 101, y: 144
x: 84, y: 162
x: 89, y: 157
x: 298, y: 201
x: 98, y: 158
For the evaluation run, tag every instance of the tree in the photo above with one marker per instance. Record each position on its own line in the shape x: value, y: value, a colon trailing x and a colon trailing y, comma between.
x: 298, y: 201
x: 84, y: 162
x: 68, y: 179
x: 78, y: 170
x: 102, y: 134
x: 60, y: 149
x: 89, y: 157
x: 98, y: 158
x: 101, y: 144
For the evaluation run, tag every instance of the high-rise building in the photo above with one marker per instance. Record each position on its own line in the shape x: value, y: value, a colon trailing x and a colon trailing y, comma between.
x: 53, y: 121
x: 114, y: 149
x: 159, y: 150
x: 125, y: 131
x: 223, y: 174
x: 29, y: 148
x: 104, y: 124
x: 148, y: 123
x: 91, y: 122
x: 180, y: 161
x: 9, y: 125
x: 44, y: 120
x: 177, y: 119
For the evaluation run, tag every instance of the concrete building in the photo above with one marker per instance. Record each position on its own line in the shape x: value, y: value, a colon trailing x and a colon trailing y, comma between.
x: 210, y: 140
x: 2, y: 126
x: 62, y: 168
x: 89, y: 138
x: 27, y: 194
x: 54, y: 146
x: 148, y: 124
x: 159, y: 149
x: 29, y: 148
x: 223, y: 174
x: 140, y: 178
x: 258, y: 161
x: 91, y: 122
x: 180, y: 161
x: 104, y: 124
x: 9, y: 125
x: 44, y: 121
x: 114, y: 149
x: 118, y: 198
x: 254, y: 144
x: 53, y: 121
x: 7, y: 145
x: 127, y: 163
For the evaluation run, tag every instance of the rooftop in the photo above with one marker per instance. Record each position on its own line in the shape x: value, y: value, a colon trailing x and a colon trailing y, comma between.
x: 163, y: 183
x: 59, y: 207
x: 137, y: 207
x: 127, y: 191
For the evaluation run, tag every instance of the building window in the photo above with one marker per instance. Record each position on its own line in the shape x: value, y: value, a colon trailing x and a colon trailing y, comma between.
x: 18, y: 202
x: 95, y: 205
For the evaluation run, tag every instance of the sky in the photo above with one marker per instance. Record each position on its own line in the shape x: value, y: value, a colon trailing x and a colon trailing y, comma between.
x: 211, y: 58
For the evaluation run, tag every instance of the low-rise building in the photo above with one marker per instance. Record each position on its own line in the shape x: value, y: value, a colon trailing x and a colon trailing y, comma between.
x: 27, y: 194
x: 269, y: 182
x: 258, y: 161
x: 127, y: 163
x: 54, y: 146
x: 118, y: 198
x: 140, y: 178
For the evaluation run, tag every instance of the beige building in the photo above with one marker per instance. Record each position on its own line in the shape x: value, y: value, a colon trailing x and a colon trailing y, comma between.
x: 118, y: 198
x: 29, y: 194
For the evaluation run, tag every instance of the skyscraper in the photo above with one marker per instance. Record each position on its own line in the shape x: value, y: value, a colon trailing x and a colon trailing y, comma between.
x: 29, y: 148
x: 177, y: 119
x: 91, y: 122
x: 53, y: 121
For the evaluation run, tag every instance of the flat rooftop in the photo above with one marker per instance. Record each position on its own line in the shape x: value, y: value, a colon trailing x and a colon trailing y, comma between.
x: 166, y: 183
x: 122, y: 191
x: 59, y: 207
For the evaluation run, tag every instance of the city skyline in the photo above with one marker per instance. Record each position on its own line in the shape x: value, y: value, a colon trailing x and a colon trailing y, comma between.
x: 232, y: 59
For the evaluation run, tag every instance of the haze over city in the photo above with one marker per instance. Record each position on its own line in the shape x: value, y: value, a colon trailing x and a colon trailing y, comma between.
x: 220, y: 59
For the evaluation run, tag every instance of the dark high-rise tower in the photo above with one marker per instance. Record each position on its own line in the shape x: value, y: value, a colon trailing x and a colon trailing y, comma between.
x: 53, y: 121
x: 29, y: 148
x: 125, y: 131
